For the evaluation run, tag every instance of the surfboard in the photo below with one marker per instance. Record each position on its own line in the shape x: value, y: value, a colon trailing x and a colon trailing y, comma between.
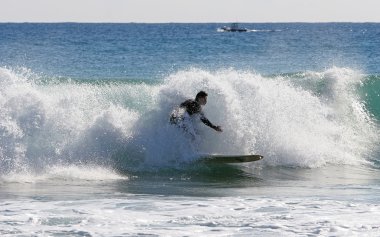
x: 211, y: 158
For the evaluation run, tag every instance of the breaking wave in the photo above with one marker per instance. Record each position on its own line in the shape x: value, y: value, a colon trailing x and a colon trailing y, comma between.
x: 308, y: 119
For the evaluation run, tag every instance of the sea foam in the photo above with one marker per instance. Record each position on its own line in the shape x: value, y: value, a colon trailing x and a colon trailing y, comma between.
x: 305, y: 120
x: 309, y: 121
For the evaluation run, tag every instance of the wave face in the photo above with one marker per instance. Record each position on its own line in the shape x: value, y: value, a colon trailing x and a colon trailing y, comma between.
x: 303, y: 119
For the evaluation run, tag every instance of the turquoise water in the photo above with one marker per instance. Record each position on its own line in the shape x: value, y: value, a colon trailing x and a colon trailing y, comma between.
x: 86, y: 148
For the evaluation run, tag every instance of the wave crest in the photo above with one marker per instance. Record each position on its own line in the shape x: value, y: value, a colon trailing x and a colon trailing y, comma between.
x: 304, y: 119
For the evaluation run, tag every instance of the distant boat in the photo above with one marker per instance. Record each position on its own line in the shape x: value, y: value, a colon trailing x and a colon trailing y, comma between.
x: 233, y: 28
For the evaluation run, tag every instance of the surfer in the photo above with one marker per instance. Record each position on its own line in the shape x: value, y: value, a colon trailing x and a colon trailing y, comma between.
x: 190, y: 109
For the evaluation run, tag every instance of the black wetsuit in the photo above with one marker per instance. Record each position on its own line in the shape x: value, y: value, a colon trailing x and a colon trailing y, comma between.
x: 192, y: 107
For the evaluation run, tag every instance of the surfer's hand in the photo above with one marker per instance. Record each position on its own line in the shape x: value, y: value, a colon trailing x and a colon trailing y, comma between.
x: 218, y: 128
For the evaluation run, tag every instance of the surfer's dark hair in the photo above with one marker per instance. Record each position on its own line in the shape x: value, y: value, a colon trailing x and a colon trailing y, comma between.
x: 201, y: 94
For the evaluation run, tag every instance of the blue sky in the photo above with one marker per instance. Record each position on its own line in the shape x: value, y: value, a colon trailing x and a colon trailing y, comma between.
x: 189, y: 10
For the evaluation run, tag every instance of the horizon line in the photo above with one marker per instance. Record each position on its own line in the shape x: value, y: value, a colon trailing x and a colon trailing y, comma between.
x: 173, y: 22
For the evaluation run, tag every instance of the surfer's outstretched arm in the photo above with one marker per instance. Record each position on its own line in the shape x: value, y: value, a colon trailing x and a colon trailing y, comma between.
x: 208, y: 123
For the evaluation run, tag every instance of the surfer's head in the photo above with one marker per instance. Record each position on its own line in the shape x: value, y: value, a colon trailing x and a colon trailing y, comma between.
x: 201, y: 97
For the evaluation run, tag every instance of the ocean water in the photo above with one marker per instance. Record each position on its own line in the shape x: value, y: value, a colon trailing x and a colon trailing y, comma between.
x: 86, y: 148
